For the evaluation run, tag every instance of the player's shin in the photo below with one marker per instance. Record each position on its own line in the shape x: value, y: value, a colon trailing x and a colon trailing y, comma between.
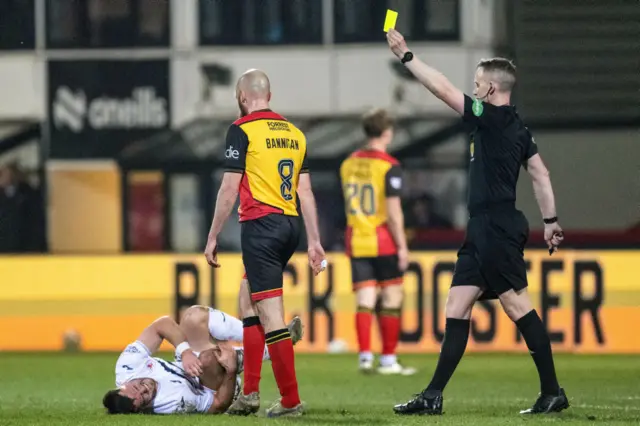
x: 282, y: 360
x: 364, y: 317
x: 366, y: 295
x: 254, y: 341
x: 389, y: 320
x: 539, y: 345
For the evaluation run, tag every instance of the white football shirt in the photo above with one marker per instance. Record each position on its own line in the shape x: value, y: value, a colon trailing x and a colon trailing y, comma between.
x: 177, y: 392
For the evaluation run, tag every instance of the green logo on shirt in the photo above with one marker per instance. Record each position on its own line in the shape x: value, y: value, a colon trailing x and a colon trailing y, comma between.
x: 477, y: 107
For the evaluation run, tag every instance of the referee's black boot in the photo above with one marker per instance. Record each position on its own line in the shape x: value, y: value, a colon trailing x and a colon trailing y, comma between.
x: 546, y: 404
x: 426, y: 403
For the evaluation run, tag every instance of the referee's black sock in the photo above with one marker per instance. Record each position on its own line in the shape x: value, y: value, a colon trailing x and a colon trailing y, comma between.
x: 456, y: 335
x: 539, y: 346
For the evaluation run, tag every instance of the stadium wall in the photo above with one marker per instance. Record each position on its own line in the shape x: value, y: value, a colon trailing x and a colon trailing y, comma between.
x: 22, y: 87
x: 319, y: 81
x: 589, y: 299
x: 595, y: 176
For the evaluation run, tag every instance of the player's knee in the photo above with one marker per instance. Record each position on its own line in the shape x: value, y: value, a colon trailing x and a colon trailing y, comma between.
x: 392, y: 296
x: 244, y: 300
x: 366, y: 297
x: 195, y: 315
x: 271, y: 313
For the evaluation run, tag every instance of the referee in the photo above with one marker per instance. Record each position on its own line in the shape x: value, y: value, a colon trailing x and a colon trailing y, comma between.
x: 265, y: 161
x: 490, y: 262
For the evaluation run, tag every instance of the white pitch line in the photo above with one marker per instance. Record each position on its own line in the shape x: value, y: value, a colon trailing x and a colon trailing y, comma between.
x: 607, y: 407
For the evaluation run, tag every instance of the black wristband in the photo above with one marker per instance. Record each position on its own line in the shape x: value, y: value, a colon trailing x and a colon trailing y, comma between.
x: 550, y: 220
x: 408, y: 57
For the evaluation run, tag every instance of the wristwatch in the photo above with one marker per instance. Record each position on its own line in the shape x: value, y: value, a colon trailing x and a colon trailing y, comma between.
x: 407, y: 57
x: 550, y: 220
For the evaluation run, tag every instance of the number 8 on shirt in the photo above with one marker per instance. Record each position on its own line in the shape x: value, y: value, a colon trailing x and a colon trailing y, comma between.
x: 270, y: 152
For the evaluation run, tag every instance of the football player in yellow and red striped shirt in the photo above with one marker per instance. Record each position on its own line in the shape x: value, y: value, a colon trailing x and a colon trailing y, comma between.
x: 375, y: 240
x: 265, y: 158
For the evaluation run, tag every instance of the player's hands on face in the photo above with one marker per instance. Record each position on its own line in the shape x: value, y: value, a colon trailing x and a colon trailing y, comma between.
x: 403, y: 259
x: 553, y: 235
x: 211, y: 252
x: 396, y: 43
x: 316, y: 256
x: 191, y: 363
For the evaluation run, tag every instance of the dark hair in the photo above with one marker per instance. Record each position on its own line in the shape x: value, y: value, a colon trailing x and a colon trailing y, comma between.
x: 375, y: 122
x: 504, y: 71
x: 116, y: 403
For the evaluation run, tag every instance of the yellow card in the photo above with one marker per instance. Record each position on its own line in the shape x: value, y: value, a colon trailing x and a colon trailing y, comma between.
x: 390, y: 20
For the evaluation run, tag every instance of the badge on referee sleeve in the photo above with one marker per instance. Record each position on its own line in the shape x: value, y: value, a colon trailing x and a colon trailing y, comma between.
x: 477, y: 107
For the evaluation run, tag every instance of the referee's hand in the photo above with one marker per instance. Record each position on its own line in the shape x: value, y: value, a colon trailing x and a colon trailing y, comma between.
x: 396, y: 43
x: 553, y: 235
x: 211, y: 253
x: 316, y: 256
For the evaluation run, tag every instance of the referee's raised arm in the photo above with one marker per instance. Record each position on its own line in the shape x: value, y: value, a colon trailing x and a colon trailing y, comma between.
x: 430, y: 78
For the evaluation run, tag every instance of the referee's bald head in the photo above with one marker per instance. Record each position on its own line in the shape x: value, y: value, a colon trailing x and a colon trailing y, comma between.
x: 501, y: 71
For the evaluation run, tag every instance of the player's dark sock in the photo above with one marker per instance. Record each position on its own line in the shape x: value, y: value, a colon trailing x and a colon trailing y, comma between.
x: 456, y: 335
x: 389, y: 320
x: 253, y: 342
x: 364, y: 317
x: 539, y: 346
x: 283, y: 364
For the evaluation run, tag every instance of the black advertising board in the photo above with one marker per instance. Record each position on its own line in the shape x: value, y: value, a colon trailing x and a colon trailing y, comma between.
x: 97, y: 107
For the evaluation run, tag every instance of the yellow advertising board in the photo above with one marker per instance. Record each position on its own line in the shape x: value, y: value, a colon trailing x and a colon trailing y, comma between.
x: 590, y: 300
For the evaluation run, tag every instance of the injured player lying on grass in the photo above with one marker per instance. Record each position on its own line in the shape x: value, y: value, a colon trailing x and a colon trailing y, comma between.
x: 204, y: 378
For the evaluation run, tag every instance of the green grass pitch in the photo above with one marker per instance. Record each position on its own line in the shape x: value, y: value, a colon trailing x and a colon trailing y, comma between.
x: 487, y: 389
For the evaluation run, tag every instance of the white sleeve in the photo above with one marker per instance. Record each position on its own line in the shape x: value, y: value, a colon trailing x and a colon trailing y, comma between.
x: 131, y: 361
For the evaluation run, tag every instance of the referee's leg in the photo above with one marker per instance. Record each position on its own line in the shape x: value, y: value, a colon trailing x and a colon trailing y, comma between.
x: 517, y: 305
x: 465, y: 290
x: 505, y: 270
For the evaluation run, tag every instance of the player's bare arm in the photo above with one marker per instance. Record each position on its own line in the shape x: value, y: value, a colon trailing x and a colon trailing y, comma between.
x: 546, y: 201
x: 396, y: 227
x: 310, y: 214
x: 225, y: 392
x: 165, y: 328
x: 227, y: 195
x: 430, y: 78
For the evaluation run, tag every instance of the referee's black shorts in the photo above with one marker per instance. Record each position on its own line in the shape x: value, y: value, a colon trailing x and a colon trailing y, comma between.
x: 267, y: 246
x: 492, y: 255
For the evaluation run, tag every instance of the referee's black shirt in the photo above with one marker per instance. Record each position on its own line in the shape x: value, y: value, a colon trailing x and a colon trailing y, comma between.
x: 500, y: 143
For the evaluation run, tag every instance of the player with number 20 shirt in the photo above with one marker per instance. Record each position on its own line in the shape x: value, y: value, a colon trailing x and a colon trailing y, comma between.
x: 375, y: 241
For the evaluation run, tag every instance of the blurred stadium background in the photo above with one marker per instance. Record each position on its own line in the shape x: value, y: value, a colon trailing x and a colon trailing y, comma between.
x: 112, y: 123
